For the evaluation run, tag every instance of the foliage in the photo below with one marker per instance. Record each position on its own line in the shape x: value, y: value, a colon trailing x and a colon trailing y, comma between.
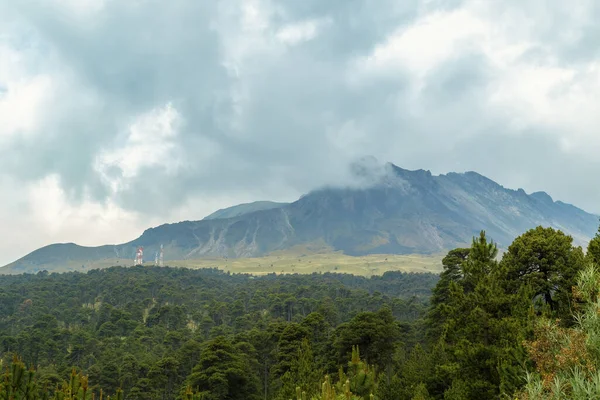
x: 303, y: 376
x: 223, y: 372
x: 546, y: 260
x: 360, y: 379
x: 483, y: 323
x: 440, y: 296
x: 593, y: 250
x: 149, y: 333
x: 20, y: 383
x: 567, y: 360
x: 359, y: 383
x: 376, y: 334
x: 145, y: 330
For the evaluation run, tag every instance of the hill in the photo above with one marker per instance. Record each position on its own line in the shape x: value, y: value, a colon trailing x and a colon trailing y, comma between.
x: 388, y: 211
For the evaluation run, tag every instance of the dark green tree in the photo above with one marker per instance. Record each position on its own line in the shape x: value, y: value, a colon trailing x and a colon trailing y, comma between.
x: 483, y: 324
x: 593, y: 249
x: 224, y: 373
x: 546, y: 260
x: 452, y: 272
x: 360, y: 377
x: 375, y: 333
x: 303, y: 374
x: 287, y: 347
x: 163, y: 375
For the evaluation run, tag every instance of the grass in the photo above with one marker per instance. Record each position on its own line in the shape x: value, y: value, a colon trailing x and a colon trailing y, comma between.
x: 278, y: 262
x: 331, y: 262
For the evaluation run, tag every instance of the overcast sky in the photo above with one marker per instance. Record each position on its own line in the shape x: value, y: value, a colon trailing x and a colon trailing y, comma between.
x: 120, y: 115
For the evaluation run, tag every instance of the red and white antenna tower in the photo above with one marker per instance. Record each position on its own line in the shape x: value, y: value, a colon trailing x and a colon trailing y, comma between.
x: 139, y: 256
x: 161, y: 258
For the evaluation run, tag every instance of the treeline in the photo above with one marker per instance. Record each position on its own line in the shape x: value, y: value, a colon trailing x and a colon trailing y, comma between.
x: 151, y: 332
x: 522, y: 326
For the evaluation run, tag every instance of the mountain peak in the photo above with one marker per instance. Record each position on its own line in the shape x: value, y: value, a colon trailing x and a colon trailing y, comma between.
x: 542, y: 197
x: 404, y: 171
x: 389, y: 210
x: 242, y: 209
x: 367, y: 170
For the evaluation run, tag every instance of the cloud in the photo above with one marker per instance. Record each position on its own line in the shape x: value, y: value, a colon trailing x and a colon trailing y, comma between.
x: 151, y: 141
x: 301, y: 31
x: 160, y: 111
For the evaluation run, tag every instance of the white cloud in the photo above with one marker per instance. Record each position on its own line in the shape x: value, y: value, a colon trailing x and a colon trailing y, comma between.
x: 528, y: 92
x: 151, y: 141
x: 244, y: 29
x: 431, y: 40
x: 23, y: 95
x: 42, y: 213
x: 90, y: 222
x: 79, y: 8
x: 20, y: 104
x: 303, y: 31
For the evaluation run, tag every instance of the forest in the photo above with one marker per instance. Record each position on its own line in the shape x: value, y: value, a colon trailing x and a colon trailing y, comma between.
x: 523, y: 325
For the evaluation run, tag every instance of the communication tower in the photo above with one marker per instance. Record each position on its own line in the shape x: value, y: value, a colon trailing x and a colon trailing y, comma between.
x: 139, y: 256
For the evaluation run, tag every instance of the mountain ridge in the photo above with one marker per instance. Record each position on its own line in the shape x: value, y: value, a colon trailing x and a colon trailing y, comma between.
x: 244, y: 208
x: 387, y: 210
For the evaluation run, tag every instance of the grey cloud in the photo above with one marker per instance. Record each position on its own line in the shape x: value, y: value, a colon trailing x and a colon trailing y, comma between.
x: 302, y: 123
x: 568, y: 32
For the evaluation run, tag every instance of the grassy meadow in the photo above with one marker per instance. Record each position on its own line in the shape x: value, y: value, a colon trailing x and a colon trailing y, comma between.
x: 279, y: 262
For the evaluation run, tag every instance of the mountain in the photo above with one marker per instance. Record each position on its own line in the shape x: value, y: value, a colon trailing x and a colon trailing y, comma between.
x: 389, y: 210
x: 242, y: 209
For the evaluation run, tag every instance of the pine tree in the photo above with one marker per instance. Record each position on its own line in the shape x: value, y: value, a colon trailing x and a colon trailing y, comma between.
x: 593, y: 249
x: 20, y: 383
x: 303, y: 375
x: 546, y: 260
x: 483, y: 323
x: 567, y: 360
x: 223, y: 372
x: 453, y: 272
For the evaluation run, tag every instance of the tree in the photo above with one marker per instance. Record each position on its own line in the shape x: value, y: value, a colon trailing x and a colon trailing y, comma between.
x: 453, y: 272
x: 289, y: 341
x: 361, y: 376
x: 593, y: 249
x: 223, y: 373
x: 303, y: 374
x: 19, y: 383
x: 376, y: 335
x: 567, y: 360
x: 144, y: 330
x: 163, y: 375
x: 481, y: 261
x: 483, y: 325
x: 546, y: 260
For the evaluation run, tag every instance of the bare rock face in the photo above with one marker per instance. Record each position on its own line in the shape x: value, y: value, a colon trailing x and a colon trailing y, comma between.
x: 388, y: 210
